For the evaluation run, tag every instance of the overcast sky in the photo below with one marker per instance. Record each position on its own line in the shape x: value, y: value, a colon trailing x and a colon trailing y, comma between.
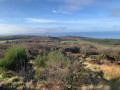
x: 42, y: 16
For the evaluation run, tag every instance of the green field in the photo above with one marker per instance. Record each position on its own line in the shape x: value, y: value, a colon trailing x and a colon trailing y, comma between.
x: 92, y: 43
x: 3, y: 41
x: 103, y: 41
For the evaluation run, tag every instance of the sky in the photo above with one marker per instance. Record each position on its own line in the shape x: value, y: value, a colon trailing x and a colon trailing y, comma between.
x: 56, y: 16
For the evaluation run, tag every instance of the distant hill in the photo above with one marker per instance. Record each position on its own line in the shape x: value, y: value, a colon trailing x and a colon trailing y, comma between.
x: 103, y: 41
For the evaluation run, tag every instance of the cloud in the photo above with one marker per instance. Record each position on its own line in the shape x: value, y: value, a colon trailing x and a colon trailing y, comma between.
x: 71, y: 7
x: 10, y: 26
x: 60, y: 12
x: 91, y: 21
x: 17, y: 29
x: 8, y: 29
x: 115, y: 13
x: 33, y: 20
x: 79, y: 2
x: 116, y: 26
x: 75, y: 5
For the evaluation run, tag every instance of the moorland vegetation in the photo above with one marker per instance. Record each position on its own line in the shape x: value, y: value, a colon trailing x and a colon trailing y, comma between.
x: 59, y: 63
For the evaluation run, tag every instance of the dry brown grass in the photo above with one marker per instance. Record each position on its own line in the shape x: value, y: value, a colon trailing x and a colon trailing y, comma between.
x: 98, y: 87
x: 92, y: 67
x: 111, y: 72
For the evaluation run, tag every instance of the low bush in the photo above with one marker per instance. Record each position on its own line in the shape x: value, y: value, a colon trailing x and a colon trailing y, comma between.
x: 52, y: 68
x: 86, y: 54
x: 14, y: 58
x: 57, y: 56
x: 40, y: 61
x: 104, y: 56
x: 76, y: 75
x: 72, y: 50
x: 115, y: 55
x: 54, y: 56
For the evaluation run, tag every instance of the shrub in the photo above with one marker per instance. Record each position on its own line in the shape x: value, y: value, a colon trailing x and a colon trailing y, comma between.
x: 72, y: 50
x: 86, y: 54
x: 57, y: 56
x: 54, y: 56
x: 41, y: 61
x: 103, y: 56
x: 76, y: 75
x: 94, y: 56
x: 14, y: 58
x: 115, y: 55
x: 52, y: 68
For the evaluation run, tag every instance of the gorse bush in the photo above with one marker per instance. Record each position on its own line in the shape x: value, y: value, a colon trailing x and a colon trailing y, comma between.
x: 40, y: 61
x: 115, y: 56
x: 57, y: 56
x: 52, y: 68
x: 86, y: 54
x: 54, y: 56
x: 14, y: 58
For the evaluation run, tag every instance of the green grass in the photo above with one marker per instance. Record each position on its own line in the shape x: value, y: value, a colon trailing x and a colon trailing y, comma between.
x: 3, y: 41
x: 92, y: 43
x: 103, y: 41
x: 14, y: 58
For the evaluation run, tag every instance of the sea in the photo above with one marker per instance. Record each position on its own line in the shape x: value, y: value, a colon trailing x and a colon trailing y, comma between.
x: 99, y: 35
